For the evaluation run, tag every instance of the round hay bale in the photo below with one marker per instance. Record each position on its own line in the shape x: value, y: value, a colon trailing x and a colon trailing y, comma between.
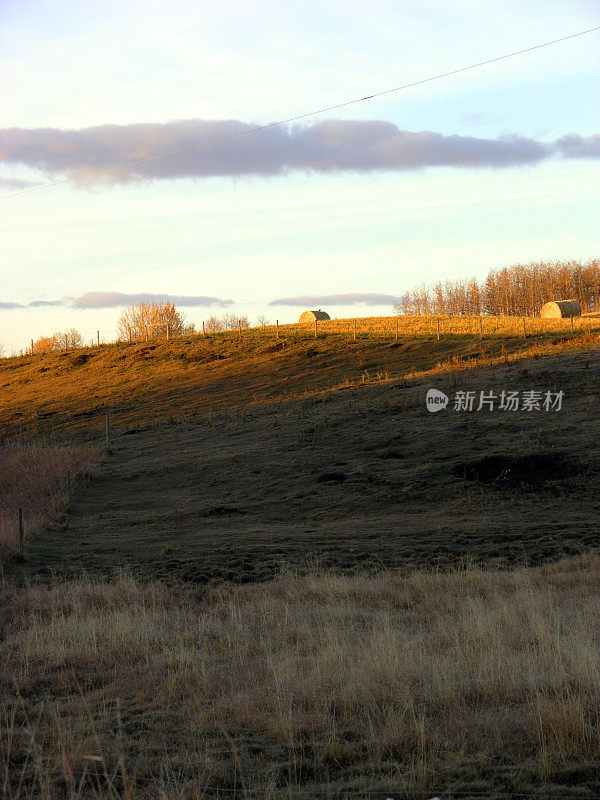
x: 311, y: 316
x: 560, y: 308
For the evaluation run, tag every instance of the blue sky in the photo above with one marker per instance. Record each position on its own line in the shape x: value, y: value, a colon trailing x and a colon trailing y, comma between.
x: 290, y: 229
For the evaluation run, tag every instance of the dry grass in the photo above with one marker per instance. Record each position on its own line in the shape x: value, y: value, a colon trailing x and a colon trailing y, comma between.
x: 427, y: 325
x: 465, y: 681
x: 147, y: 382
x: 423, y: 325
x: 34, y: 477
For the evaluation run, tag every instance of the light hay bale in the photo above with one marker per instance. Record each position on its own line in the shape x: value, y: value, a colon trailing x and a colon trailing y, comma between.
x: 311, y: 316
x: 560, y: 308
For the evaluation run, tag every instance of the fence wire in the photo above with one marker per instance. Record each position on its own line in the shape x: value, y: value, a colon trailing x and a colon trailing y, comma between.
x: 364, y: 327
x: 36, y: 516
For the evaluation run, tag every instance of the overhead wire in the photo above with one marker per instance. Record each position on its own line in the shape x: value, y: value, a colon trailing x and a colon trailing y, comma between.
x: 297, y: 117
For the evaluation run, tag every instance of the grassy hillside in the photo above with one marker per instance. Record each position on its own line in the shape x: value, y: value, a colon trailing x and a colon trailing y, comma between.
x: 163, y: 380
x: 359, y: 476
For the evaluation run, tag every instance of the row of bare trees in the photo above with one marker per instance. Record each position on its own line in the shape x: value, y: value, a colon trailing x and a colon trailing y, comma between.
x: 520, y: 290
x: 145, y: 320
x: 154, y: 319
x: 67, y: 340
x: 228, y: 322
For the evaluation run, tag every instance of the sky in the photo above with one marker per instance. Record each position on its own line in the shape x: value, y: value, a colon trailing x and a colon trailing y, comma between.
x: 344, y: 210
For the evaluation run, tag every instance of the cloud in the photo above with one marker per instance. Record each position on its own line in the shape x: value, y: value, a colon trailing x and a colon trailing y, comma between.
x: 574, y: 146
x: 204, y: 148
x: 350, y: 299
x: 116, y: 299
x: 14, y: 184
x: 92, y: 300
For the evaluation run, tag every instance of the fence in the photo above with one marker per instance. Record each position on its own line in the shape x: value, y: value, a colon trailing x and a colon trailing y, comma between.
x: 437, y: 327
x: 427, y: 327
x: 43, y: 471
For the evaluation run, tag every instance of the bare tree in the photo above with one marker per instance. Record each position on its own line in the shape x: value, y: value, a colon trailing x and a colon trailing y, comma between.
x: 228, y: 322
x: 65, y: 340
x: 152, y: 319
x: 73, y: 338
x: 233, y: 321
x: 45, y: 344
x: 213, y: 325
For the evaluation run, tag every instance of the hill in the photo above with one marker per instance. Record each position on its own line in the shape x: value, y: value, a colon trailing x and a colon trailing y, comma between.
x: 375, y: 645
x: 159, y: 380
x: 275, y: 454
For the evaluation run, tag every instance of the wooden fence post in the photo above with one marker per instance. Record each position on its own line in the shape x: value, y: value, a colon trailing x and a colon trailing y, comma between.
x: 98, y: 337
x: 32, y: 347
x: 203, y: 329
x: 21, y: 535
x: 108, y: 429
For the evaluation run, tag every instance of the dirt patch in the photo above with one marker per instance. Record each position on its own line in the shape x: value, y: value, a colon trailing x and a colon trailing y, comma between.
x: 391, y: 454
x: 332, y: 477
x: 80, y: 360
x: 534, y: 469
x: 222, y: 511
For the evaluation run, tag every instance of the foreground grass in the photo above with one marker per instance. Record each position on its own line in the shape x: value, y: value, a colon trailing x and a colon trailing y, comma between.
x: 466, y: 681
x: 34, y: 477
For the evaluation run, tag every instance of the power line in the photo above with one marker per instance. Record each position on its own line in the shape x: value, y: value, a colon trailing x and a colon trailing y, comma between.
x: 300, y: 116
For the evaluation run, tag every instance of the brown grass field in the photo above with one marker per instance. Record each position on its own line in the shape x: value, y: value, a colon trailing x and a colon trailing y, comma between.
x: 287, y: 575
x: 443, y: 683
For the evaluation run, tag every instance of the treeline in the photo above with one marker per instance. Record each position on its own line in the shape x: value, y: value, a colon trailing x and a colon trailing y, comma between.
x: 520, y: 290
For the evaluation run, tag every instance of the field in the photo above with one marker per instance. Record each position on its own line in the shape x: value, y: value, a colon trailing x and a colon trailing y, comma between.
x: 456, y: 684
x: 302, y: 573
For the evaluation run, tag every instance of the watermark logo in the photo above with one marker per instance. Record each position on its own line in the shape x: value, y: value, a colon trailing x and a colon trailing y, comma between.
x: 436, y: 400
x: 530, y: 400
